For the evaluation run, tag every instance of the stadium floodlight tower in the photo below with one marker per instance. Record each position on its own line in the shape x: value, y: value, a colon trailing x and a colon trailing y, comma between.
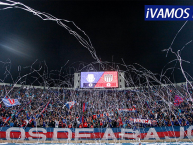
x: 99, y: 80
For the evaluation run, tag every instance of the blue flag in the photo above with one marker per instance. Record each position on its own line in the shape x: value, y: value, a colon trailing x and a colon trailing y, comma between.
x: 10, y: 102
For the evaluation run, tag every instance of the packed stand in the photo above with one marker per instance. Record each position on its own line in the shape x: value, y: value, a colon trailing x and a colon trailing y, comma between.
x: 144, y: 107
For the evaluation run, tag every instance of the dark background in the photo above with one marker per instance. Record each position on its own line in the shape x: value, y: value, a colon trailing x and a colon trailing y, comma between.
x: 116, y: 28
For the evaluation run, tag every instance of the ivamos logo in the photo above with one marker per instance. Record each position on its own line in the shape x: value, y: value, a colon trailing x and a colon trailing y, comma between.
x: 165, y: 13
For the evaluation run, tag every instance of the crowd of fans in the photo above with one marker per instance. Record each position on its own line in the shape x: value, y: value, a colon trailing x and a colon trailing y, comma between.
x: 46, y: 107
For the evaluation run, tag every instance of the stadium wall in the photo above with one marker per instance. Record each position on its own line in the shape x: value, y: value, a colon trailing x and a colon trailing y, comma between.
x: 42, y: 134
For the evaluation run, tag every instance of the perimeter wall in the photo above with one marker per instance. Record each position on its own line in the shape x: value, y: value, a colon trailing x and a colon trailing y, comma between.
x: 156, y: 133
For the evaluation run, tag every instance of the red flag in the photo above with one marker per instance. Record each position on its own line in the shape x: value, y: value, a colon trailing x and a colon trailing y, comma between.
x: 84, y: 107
x: 44, y: 109
x: 6, y: 120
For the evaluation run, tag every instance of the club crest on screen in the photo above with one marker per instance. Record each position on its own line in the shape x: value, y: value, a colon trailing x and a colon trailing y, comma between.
x: 108, y: 77
x: 90, y: 78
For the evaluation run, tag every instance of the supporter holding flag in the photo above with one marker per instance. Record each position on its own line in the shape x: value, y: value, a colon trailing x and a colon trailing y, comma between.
x: 120, y: 122
x: 44, y: 109
x: 82, y: 119
x: 10, y: 102
x: 69, y: 105
x: 178, y: 100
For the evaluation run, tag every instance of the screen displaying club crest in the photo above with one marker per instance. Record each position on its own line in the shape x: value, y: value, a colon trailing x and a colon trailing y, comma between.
x: 106, y: 79
x: 90, y: 78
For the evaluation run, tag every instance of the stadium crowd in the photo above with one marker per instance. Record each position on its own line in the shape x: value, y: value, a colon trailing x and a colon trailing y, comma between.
x: 97, y: 108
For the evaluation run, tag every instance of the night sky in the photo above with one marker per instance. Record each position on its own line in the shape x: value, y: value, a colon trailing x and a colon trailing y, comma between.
x: 116, y: 28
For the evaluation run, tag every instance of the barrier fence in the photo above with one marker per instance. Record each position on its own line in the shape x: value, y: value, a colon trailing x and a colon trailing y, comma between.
x: 156, y: 133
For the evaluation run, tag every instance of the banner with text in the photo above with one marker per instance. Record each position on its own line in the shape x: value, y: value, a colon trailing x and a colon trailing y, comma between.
x: 9, y: 133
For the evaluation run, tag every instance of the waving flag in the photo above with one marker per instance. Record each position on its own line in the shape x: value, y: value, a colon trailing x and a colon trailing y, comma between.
x: 69, y: 105
x: 10, y: 102
x: 178, y: 100
x: 6, y: 120
x: 84, y: 107
x: 45, y: 108
x: 38, y: 115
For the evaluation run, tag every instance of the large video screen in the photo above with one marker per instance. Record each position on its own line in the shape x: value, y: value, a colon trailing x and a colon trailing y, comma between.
x: 105, y: 79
